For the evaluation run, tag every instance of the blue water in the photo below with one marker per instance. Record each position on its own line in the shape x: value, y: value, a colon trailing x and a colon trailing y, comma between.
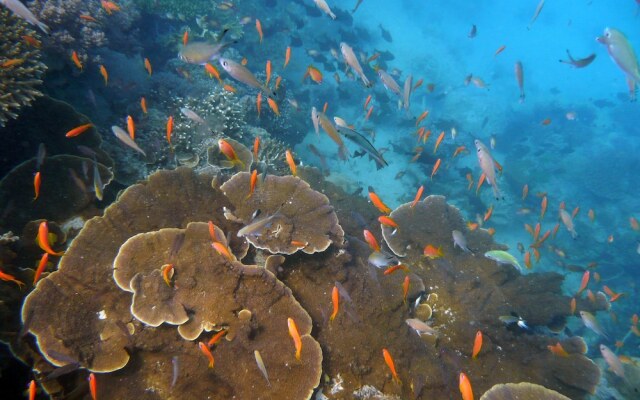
x: 585, y: 154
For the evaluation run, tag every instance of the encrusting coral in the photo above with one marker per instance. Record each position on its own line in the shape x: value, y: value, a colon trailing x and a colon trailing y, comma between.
x: 521, y: 391
x: 20, y: 66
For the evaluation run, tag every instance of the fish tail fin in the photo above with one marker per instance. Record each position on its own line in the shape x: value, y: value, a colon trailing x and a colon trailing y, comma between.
x: 332, y: 15
x: 44, y: 28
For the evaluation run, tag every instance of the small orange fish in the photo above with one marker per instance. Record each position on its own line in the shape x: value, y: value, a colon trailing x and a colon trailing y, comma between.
x: 93, y: 386
x: 335, y: 298
x: 143, y: 104
x: 536, y: 254
x: 76, y: 60
x: 470, y: 180
x: 585, y: 282
x: 472, y: 226
x: 259, y: 29
x: 36, y: 185
x: 105, y: 74
x: 480, y: 182
x: 558, y: 350
x: 438, y: 141
x: 500, y: 50
x: 387, y: 221
x: 634, y: 319
x: 212, y: 232
x: 147, y: 66
x: 252, y: 182
x: 205, y: 350
x: 10, y: 278
x: 543, y: 207
x: 366, y: 118
x: 575, y: 212
x: 405, y: 288
x: 432, y: 252
x: 169, y: 128
x: 267, y: 69
x: 422, y: 116
x: 477, y: 345
x: 555, y: 230
x: 418, y: 84
x: 373, y: 57
x: 491, y: 231
x: 216, y: 338
x: 371, y: 240
x: 295, y: 335
x: 109, y: 6
x: 465, y: 387
x: 278, y: 81
x: 435, y: 167
x: 634, y: 224
x: 325, y: 107
x: 230, y: 153
x: 525, y: 191
x: 185, y: 38
x: 389, y: 361
x: 298, y: 243
x: 273, y: 106
x: 43, y: 239
x: 32, y: 390
x: 287, y: 57
x: 41, y: 266
x: 229, y: 88
x: 383, y: 208
x: 394, y: 268
x: 87, y: 17
x: 546, y: 121
x: 527, y: 260
x: 31, y: 41
x: 78, y: 130
x: 291, y: 162
x: 131, y: 127
x: 592, y: 215
x: 256, y: 147
x: 223, y: 250
x: 244, y: 61
x: 573, y: 305
x: 418, y: 196
x: 488, y: 213
x: 212, y: 71
x: 167, y: 273
x: 459, y: 150
x: 366, y: 102
x: 259, y: 103
x: 314, y: 73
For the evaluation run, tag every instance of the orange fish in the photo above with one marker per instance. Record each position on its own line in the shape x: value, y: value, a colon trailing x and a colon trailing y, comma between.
x: 78, y: 130
x: 527, y: 260
x: 525, y: 191
x: 592, y: 215
x: 147, y: 66
x: 366, y: 118
x: 470, y: 180
x: 585, y: 282
x: 472, y: 226
x: 491, y: 231
x: 634, y: 224
x: 259, y: 29
x: 480, y: 182
x: 143, y: 104
x: 36, y: 185
x: 543, y: 207
x: 267, y: 70
x: 383, y: 208
x: 10, y: 278
x: 438, y: 141
x: 394, y: 268
x: 418, y: 196
x: 295, y: 335
x: 291, y: 162
x: 389, y: 360
x: 256, y: 147
x: 216, y: 338
x: 500, y: 50
x: 278, y: 81
x: 546, y: 121
x: 435, y: 167
x: 31, y: 41
x: 223, y: 250
x: 488, y: 213
x: 418, y: 84
x: 555, y: 230
x: 169, y: 128
x: 371, y: 240
x: 387, y: 221
x: 230, y: 153
x: 167, y: 273
x: 477, y: 345
x: 229, y: 88
x: 287, y: 57
x: 87, y: 17
x: 32, y: 390
x: 109, y: 6
x: 558, y: 350
x: 41, y: 266
x: 131, y: 127
x: 422, y: 116
x: 212, y: 232
x: 575, y: 212
x: 259, y: 103
x: 634, y: 319
x: 252, y: 182
x: 43, y: 239
x: 432, y: 252
x: 105, y: 74
x: 212, y: 71
x: 366, y: 102
x: 373, y: 57
x: 244, y: 61
x: 573, y: 305
x: 465, y: 387
x: 325, y: 107
x: 314, y: 73
x: 205, y: 350
x: 536, y: 254
x: 335, y: 298
x: 185, y: 38
x: 459, y: 150
x: 273, y: 106
x: 76, y: 60
x: 93, y: 386
x: 405, y: 288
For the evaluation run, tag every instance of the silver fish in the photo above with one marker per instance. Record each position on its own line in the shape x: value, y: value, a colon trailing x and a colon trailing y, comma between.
x: 352, y: 61
x: 519, y: 71
x: 621, y: 52
x: 314, y: 119
x: 255, y: 228
x: 192, y: 115
x: 20, y: 10
x: 363, y: 143
x: 567, y: 220
x: 536, y: 14
x: 97, y: 181
x: 261, y: 366
x: 420, y: 327
x: 42, y: 153
x: 321, y: 4
x: 203, y: 52
x: 240, y: 73
x: 406, y: 94
x: 614, y: 362
x: 487, y: 165
x: 460, y: 241
x: 381, y: 259
x: 389, y: 82
x: 592, y: 323
x: 126, y: 139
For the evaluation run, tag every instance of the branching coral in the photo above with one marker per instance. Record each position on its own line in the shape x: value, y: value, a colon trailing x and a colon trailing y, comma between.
x: 20, y: 66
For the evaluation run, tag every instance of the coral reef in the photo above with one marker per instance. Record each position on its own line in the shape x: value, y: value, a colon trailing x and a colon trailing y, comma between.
x: 521, y: 391
x: 20, y: 66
